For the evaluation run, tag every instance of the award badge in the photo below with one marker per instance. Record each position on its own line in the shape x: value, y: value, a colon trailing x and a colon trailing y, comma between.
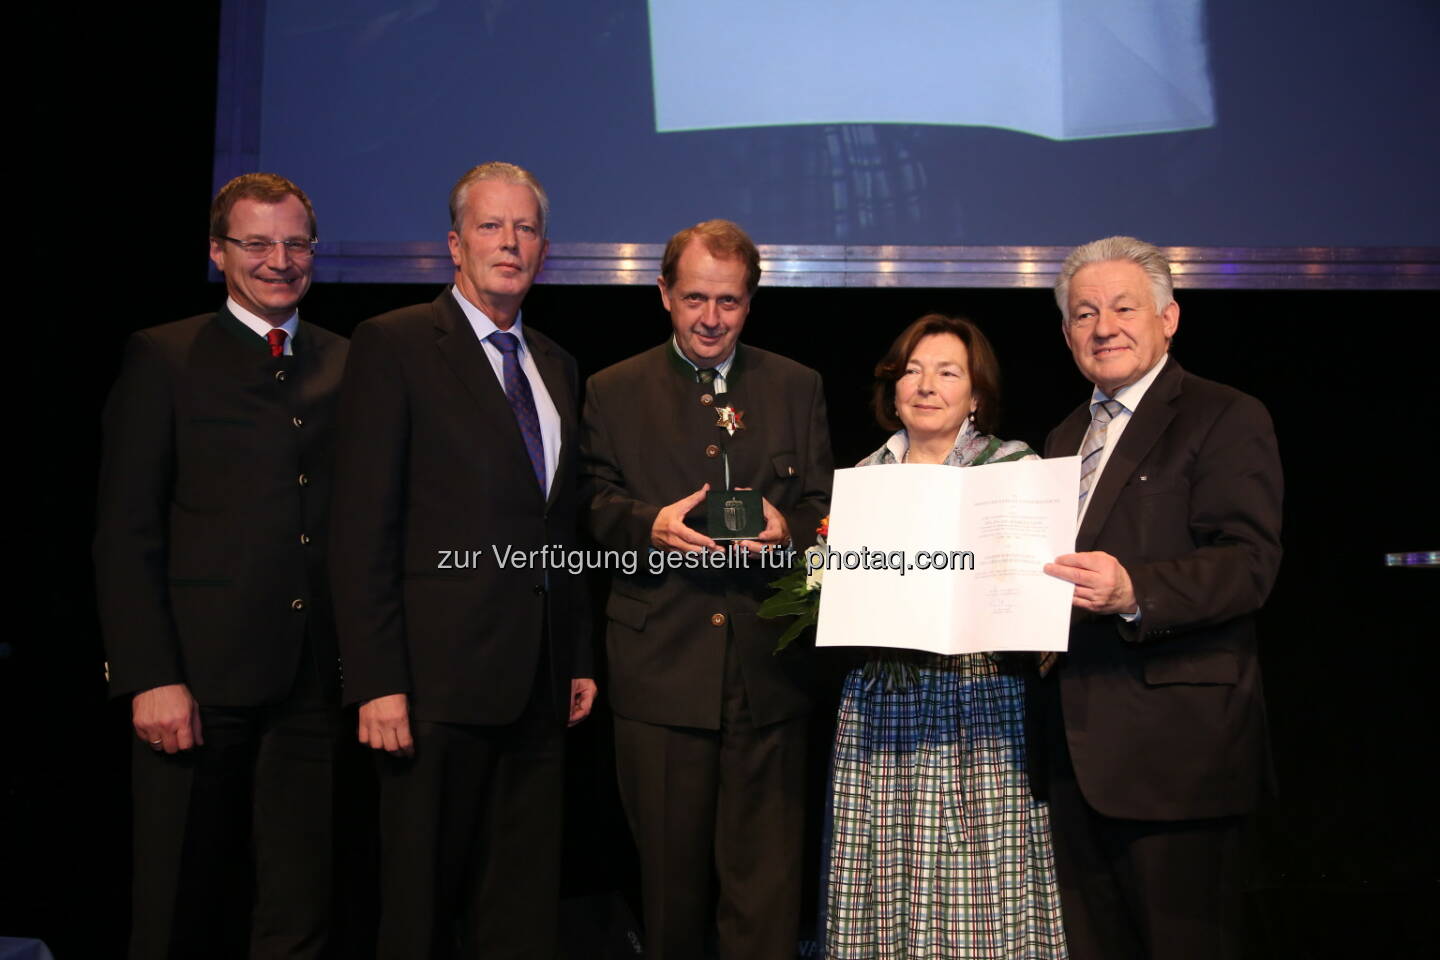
x: 733, y: 514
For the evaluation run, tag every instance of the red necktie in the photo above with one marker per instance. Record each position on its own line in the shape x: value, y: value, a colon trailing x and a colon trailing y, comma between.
x: 276, y: 336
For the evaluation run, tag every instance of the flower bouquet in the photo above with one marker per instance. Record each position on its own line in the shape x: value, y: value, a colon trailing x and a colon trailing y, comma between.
x: 797, y: 594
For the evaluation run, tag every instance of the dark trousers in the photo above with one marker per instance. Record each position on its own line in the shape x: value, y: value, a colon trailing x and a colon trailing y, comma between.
x: 1137, y: 889
x: 263, y: 782
x: 728, y: 802
x: 470, y: 838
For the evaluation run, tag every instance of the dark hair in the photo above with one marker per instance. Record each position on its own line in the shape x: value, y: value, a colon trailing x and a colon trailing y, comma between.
x: 984, y: 369
x: 725, y: 241
x: 260, y: 187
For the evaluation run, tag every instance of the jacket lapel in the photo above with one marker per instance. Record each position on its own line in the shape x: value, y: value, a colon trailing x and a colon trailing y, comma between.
x: 466, y: 357
x: 1146, y: 425
x: 301, y: 345
x: 552, y: 372
x: 242, y: 336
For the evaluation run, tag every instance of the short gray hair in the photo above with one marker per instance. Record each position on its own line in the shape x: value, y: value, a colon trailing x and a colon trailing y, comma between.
x: 1144, y: 255
x: 505, y: 173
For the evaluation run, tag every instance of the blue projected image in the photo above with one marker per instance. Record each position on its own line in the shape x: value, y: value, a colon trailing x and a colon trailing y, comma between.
x: 1061, y: 69
x: 997, y: 123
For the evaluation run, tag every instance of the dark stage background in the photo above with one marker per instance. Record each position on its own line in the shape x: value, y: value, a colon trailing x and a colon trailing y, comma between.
x: 1346, y: 854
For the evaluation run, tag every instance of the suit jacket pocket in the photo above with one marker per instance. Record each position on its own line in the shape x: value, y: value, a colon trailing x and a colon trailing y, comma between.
x: 627, y: 611
x: 1193, y: 667
x: 786, y: 465
x: 221, y: 422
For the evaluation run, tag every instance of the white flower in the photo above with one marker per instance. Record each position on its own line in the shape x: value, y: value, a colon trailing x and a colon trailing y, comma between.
x: 814, y: 568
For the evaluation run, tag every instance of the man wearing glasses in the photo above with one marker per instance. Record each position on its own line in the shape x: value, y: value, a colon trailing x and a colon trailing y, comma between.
x: 209, y: 553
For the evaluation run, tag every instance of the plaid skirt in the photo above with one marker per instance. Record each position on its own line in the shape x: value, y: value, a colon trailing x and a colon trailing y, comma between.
x: 938, y: 850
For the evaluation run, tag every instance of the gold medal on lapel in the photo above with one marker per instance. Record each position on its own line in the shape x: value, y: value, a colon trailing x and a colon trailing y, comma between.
x: 730, y: 419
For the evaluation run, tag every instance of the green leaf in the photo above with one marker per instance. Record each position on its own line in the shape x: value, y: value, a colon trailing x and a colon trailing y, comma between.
x: 783, y: 606
x: 799, y: 626
x: 791, y: 581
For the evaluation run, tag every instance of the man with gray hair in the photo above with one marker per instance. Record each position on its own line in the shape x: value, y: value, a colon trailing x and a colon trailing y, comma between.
x: 1150, y: 732
x: 458, y: 429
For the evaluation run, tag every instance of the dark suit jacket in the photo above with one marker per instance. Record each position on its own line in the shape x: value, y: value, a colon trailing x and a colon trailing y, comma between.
x: 216, y: 462
x: 1165, y: 720
x: 431, y: 460
x: 650, y: 440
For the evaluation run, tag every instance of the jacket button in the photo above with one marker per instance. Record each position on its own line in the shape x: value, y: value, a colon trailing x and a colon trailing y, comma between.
x: 706, y: 399
x: 297, y: 604
x: 712, y: 450
x: 305, y: 539
x: 717, y: 619
x: 280, y: 375
x: 538, y: 590
x: 297, y: 421
x: 304, y: 481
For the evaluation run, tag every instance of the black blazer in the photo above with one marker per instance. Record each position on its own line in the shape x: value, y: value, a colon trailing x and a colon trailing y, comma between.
x: 651, y: 439
x: 432, y: 468
x: 214, y: 502
x: 1165, y: 720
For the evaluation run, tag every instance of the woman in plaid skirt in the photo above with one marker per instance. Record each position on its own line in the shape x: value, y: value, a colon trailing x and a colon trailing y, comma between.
x: 938, y: 850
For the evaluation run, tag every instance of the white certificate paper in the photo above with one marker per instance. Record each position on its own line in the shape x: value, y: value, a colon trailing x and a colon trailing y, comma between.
x: 928, y: 557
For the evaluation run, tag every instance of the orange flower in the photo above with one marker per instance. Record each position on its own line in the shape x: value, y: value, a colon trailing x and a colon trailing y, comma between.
x: 824, y: 528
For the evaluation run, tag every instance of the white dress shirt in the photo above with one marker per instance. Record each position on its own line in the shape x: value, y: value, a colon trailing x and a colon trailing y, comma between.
x: 263, y: 327
x: 544, y: 406
x: 722, y: 369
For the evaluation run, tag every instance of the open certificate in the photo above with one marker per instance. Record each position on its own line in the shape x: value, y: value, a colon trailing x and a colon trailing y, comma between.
x: 930, y: 557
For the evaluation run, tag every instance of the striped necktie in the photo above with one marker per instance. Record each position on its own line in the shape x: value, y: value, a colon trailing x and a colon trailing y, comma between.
x: 522, y: 401
x: 1094, y: 445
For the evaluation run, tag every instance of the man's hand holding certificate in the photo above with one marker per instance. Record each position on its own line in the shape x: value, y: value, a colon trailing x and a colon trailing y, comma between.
x: 949, y: 561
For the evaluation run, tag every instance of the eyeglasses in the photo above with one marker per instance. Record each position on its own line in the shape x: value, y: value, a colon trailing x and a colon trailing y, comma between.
x: 259, y: 249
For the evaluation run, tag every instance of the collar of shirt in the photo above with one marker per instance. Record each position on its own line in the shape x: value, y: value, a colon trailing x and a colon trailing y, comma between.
x: 262, y: 327
x: 722, y: 369
x: 484, y: 326
x: 1131, y: 396
x: 899, y: 442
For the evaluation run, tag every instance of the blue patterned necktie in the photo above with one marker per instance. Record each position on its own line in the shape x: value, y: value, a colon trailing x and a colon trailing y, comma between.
x: 522, y: 401
x: 1090, y: 450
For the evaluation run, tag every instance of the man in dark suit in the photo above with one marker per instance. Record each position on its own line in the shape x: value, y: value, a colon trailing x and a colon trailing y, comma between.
x: 1155, y: 720
x: 458, y: 444
x: 209, y: 555
x: 709, y: 722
